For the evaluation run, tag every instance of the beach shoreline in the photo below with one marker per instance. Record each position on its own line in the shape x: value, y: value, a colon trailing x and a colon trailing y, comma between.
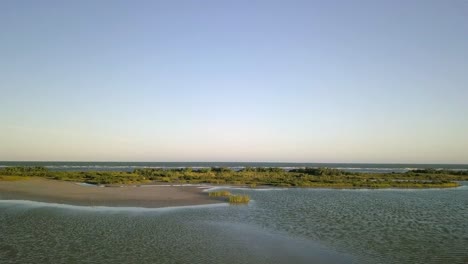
x: 63, y: 192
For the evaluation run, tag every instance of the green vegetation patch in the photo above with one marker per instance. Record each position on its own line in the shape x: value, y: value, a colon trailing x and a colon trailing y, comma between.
x: 219, y: 194
x: 305, y: 177
x: 239, y: 199
x: 13, y: 178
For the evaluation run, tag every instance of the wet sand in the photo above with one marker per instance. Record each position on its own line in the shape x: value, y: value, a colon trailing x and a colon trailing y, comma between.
x: 154, y: 196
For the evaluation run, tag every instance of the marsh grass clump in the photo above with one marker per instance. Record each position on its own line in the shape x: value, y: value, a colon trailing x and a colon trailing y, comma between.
x: 231, y: 198
x: 219, y: 194
x: 239, y: 199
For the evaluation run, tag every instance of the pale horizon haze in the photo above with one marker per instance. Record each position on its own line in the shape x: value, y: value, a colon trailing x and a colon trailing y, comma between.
x: 280, y: 81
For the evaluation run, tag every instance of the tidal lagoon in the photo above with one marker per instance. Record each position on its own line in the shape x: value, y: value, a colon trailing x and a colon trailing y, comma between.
x: 279, y: 225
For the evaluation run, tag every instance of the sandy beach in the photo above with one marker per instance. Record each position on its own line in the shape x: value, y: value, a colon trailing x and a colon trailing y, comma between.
x: 154, y: 196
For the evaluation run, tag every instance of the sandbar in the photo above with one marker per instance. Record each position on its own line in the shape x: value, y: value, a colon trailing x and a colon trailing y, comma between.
x: 154, y: 196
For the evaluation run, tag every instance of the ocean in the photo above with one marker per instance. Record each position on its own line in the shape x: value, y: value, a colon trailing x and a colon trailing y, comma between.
x: 130, y: 166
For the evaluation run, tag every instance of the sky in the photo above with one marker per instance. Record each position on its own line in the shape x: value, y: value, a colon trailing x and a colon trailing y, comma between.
x: 245, y: 80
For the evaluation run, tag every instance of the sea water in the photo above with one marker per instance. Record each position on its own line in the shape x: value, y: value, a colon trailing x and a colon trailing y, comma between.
x: 278, y: 226
x: 130, y: 166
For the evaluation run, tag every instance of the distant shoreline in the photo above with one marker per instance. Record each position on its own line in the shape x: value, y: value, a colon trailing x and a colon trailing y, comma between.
x: 251, y: 177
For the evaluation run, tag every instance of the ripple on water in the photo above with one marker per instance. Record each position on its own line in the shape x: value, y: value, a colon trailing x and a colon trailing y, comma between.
x: 393, y: 226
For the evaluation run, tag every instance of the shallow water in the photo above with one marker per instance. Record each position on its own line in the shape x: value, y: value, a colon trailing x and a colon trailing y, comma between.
x: 278, y: 226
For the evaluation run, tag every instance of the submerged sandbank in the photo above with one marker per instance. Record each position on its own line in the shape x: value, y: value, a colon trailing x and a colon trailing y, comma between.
x: 60, y: 192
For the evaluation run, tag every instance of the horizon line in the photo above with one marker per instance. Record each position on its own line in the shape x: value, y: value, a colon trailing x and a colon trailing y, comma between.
x: 272, y: 162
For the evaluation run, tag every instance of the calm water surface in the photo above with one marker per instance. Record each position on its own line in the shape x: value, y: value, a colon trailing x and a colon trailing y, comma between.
x: 130, y: 166
x: 279, y: 226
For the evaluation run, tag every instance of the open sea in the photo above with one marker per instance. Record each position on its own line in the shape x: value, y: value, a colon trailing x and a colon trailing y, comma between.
x: 129, y: 166
x: 280, y: 225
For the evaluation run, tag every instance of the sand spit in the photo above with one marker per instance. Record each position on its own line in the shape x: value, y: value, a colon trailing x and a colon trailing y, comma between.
x: 60, y: 192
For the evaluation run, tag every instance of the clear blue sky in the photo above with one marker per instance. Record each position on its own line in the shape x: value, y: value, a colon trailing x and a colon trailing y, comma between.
x: 304, y: 81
